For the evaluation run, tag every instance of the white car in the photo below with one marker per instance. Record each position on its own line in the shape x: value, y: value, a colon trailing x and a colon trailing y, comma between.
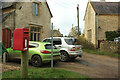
x: 68, y: 49
x: 117, y: 39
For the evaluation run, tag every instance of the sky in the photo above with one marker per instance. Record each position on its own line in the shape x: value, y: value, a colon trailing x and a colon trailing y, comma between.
x: 65, y: 14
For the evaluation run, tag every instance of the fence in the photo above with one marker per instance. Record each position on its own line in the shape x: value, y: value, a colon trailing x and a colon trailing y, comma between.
x: 110, y: 46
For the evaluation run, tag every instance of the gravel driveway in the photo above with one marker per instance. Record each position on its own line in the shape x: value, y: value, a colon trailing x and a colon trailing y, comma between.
x: 95, y: 66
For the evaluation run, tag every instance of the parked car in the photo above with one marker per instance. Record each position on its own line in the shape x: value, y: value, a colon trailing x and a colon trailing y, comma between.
x: 39, y: 52
x: 117, y: 39
x: 69, y: 50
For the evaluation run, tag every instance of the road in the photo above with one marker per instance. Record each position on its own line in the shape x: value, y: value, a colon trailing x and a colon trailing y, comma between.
x: 95, y: 66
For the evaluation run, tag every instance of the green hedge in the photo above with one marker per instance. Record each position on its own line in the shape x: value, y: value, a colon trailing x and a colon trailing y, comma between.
x: 110, y: 35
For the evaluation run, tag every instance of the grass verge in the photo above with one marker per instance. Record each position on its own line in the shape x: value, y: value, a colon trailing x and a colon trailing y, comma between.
x: 97, y: 51
x: 43, y: 73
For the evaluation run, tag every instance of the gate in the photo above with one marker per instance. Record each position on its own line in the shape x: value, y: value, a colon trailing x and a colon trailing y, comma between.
x: 6, y: 37
x: 99, y: 41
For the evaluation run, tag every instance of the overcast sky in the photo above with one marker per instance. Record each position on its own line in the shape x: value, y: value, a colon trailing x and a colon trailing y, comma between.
x: 65, y: 13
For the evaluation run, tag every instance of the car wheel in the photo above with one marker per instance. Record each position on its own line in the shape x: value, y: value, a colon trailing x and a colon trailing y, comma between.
x: 36, y: 61
x: 64, y: 56
x: 6, y: 56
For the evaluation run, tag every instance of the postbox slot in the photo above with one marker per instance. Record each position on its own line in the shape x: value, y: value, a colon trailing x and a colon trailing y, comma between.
x: 26, y: 32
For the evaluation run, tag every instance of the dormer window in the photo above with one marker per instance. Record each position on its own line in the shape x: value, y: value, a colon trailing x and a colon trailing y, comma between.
x: 35, y: 8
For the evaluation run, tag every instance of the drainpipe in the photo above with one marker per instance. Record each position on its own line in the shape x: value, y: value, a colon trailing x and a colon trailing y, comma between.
x: 14, y: 17
x: 97, y: 25
x: 13, y: 26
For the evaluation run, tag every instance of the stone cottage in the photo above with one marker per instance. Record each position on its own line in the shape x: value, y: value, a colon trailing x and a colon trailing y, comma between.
x: 56, y: 33
x: 99, y: 18
x: 33, y: 15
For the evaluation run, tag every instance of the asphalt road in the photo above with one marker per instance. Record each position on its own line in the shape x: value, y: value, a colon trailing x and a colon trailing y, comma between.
x: 95, y: 66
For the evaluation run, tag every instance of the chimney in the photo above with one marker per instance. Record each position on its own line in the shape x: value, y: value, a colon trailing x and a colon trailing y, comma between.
x: 58, y: 29
x: 102, y: 0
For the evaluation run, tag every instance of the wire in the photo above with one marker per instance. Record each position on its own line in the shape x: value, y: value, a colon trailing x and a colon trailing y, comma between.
x: 63, y: 4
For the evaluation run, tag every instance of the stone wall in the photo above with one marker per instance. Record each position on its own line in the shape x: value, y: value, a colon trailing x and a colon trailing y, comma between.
x: 110, y: 46
x: 25, y: 17
x: 107, y: 23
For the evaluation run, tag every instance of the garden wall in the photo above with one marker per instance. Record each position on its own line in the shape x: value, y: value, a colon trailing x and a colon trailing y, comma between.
x: 110, y: 46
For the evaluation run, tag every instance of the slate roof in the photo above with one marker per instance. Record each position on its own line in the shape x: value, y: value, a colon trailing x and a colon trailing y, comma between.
x: 106, y: 7
x: 4, y: 16
x: 7, y: 4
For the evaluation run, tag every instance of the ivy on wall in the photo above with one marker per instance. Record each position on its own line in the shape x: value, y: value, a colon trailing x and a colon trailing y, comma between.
x: 110, y: 35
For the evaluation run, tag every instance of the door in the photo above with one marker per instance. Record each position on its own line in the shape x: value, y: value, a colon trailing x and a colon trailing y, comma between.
x: 99, y: 41
x: 6, y: 37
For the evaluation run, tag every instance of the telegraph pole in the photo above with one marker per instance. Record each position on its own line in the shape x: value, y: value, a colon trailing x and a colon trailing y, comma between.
x: 52, y: 46
x: 78, y: 19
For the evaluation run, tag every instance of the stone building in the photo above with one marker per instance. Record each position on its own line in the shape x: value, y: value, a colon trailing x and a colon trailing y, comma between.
x: 33, y: 15
x: 99, y: 18
x: 56, y: 33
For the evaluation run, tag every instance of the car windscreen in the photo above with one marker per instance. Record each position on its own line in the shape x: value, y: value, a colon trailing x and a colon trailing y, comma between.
x: 118, y: 39
x: 71, y: 41
x: 49, y: 46
x: 33, y: 45
x: 47, y: 40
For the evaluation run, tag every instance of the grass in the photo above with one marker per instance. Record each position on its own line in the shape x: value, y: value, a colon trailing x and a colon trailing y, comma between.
x: 97, y: 51
x: 43, y: 73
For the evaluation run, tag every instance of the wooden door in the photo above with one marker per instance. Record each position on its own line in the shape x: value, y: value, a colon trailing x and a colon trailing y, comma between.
x: 99, y: 41
x: 6, y: 37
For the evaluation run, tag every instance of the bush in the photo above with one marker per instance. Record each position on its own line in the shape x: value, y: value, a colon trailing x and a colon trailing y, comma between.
x: 110, y: 35
x: 85, y: 44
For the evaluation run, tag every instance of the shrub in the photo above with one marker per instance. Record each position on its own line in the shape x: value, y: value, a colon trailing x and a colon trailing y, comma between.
x: 110, y: 35
x: 85, y: 44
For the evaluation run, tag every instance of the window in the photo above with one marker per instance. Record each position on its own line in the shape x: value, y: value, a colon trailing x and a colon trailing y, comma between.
x: 34, y: 34
x: 35, y: 9
x: 47, y: 40
x: 33, y: 45
x: 57, y: 41
x: 49, y: 46
x: 71, y: 41
x: 89, y: 33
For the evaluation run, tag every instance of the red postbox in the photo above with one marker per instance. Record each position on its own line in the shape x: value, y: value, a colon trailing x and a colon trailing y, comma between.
x: 21, y: 39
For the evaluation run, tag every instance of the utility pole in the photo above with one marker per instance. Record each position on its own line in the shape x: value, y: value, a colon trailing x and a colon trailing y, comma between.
x: 78, y: 19
x: 52, y: 46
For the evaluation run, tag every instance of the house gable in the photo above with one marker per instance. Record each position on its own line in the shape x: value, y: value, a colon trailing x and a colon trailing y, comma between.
x: 49, y: 9
x: 88, y: 5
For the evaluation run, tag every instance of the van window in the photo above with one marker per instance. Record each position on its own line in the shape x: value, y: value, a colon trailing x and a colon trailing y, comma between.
x: 57, y: 41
